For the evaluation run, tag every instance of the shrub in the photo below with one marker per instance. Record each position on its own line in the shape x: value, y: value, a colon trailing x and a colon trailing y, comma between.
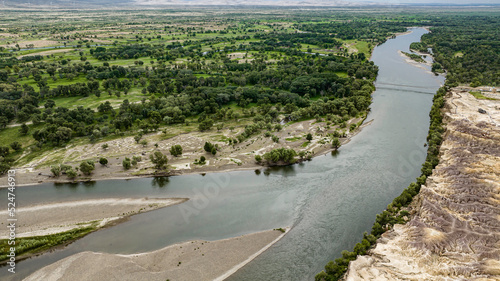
x: 126, y: 163
x: 55, y: 170
x: 159, y: 159
x: 87, y: 167
x: 71, y: 173
x: 281, y: 154
x: 258, y: 158
x: 103, y: 161
x: 176, y: 150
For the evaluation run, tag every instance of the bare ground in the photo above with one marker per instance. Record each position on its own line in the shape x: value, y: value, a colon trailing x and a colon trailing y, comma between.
x: 454, y: 231
x: 194, y: 260
x: 228, y: 157
x: 44, y: 53
x: 36, y: 43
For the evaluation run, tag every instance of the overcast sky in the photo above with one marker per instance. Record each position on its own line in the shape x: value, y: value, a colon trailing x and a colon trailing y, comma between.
x: 428, y: 1
x: 446, y: 1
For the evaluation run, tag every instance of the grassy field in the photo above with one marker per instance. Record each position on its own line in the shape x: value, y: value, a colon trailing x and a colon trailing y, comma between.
x: 32, y: 245
x: 480, y: 96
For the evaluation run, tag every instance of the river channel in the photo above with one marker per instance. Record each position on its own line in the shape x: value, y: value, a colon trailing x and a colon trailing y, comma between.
x: 329, y: 201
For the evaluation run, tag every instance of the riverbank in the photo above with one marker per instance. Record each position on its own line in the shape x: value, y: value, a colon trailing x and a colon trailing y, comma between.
x: 454, y: 229
x: 46, y: 219
x: 425, y: 65
x: 234, y: 157
x: 193, y: 260
x: 41, y: 228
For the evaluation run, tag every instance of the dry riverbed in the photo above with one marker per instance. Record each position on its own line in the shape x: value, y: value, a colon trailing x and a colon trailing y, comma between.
x: 193, y: 260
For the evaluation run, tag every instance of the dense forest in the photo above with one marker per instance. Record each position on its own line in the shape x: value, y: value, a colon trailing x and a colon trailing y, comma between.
x: 468, y: 48
x: 176, y: 74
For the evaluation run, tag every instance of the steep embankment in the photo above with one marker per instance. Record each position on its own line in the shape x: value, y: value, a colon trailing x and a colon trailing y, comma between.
x: 454, y: 230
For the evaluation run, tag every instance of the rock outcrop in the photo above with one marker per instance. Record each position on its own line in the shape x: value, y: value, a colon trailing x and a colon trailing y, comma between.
x: 454, y: 231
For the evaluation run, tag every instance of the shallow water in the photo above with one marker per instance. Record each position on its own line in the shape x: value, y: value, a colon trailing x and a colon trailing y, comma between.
x: 329, y: 201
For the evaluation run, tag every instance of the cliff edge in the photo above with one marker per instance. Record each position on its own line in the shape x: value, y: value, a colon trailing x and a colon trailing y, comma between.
x: 454, y: 230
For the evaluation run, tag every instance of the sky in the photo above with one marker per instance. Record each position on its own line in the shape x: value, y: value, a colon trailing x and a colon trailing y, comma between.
x: 432, y: 1
x: 460, y: 2
x: 247, y: 2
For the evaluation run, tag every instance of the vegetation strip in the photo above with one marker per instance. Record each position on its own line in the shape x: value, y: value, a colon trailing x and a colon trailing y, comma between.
x: 26, y: 247
x: 482, y: 63
x: 395, y: 212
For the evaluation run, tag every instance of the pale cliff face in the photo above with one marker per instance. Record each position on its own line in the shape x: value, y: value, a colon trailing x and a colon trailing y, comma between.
x: 454, y: 233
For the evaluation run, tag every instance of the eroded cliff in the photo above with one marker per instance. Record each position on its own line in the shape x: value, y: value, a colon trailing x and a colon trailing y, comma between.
x: 454, y: 230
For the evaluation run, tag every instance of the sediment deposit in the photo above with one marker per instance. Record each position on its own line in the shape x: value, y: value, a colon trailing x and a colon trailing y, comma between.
x: 454, y: 231
x: 193, y: 260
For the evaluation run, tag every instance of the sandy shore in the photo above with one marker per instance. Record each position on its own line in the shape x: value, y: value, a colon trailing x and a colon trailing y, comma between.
x: 194, y: 260
x: 59, y: 217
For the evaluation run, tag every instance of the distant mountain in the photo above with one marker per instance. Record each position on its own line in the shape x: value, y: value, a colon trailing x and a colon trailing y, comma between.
x: 122, y: 3
x: 65, y: 3
x: 153, y: 3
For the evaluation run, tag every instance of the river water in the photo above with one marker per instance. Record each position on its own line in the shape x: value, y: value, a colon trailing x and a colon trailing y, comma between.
x: 329, y: 201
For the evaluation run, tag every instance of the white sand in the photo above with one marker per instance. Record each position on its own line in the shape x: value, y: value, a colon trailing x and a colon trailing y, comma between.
x: 58, y: 217
x: 195, y: 260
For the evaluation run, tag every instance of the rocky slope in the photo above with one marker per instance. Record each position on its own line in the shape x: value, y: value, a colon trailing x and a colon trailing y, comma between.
x: 454, y: 232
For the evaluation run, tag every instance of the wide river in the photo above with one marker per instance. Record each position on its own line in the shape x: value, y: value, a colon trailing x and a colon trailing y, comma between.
x: 329, y: 202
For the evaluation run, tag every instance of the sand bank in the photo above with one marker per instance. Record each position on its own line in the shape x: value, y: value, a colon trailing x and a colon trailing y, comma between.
x: 59, y: 217
x: 194, y: 260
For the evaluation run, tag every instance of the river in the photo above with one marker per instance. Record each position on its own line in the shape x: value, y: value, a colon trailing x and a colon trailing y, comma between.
x: 329, y: 201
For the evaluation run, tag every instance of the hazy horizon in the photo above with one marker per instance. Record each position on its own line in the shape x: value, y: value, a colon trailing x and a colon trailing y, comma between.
x: 80, y: 3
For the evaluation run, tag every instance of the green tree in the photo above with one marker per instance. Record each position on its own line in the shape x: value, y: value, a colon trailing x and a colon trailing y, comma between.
x: 281, y: 154
x: 159, y: 159
x: 16, y: 146
x: 24, y: 129
x: 3, y: 122
x: 71, y: 173
x: 209, y: 147
x: 309, y: 137
x: 56, y: 171
x: 87, y: 167
x: 4, y: 151
x: 138, y: 138
x: 258, y: 158
x: 176, y: 150
x: 126, y: 163
x: 206, y: 124
x: 103, y: 161
x: 336, y: 143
